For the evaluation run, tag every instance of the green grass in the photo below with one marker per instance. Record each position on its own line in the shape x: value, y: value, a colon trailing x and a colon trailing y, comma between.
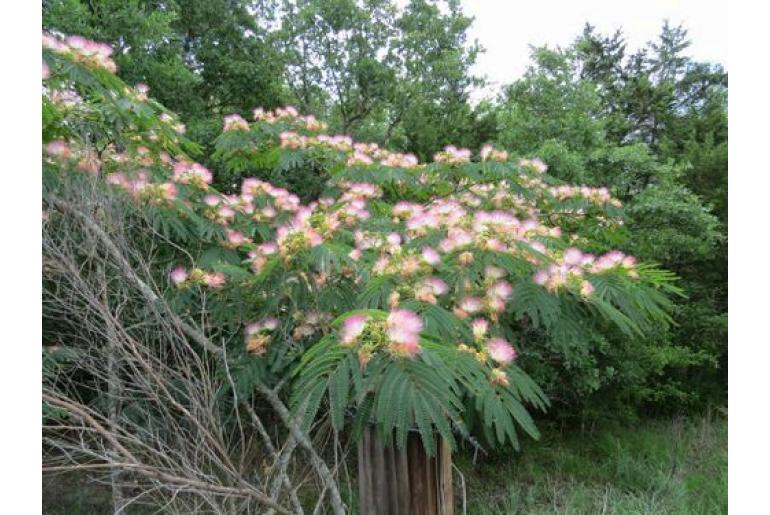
x: 657, y: 467
x: 673, y: 467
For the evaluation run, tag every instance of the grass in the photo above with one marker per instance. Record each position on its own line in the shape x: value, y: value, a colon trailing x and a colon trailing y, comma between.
x: 673, y: 467
x: 657, y: 467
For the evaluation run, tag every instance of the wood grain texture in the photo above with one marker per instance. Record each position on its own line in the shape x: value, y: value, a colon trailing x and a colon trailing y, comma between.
x: 406, y: 481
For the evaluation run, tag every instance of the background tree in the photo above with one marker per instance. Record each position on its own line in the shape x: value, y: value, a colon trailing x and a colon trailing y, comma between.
x: 653, y: 126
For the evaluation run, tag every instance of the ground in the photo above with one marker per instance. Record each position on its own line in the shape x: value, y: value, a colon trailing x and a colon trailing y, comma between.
x: 676, y: 466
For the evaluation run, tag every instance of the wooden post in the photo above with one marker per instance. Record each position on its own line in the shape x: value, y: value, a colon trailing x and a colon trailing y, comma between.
x: 406, y: 481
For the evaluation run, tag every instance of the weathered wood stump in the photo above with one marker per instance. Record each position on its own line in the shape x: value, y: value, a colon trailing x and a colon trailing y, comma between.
x: 406, y: 481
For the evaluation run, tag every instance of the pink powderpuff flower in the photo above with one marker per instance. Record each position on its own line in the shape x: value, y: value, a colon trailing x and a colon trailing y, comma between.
x: 226, y: 212
x: 479, y: 327
x: 573, y: 256
x: 430, y: 256
x: 501, y: 290
x: 76, y: 42
x: 46, y: 71
x: 438, y: 286
x: 267, y: 248
x: 539, y: 165
x: 212, y: 200
x: 167, y: 190
x: 352, y: 328
x: 270, y: 323
x: 404, y: 328
x: 178, y: 276
x: 235, y: 122
x: 540, y: 277
x: 501, y: 351
x: 586, y: 289
x: 214, y: 280
x: 236, y: 238
x: 355, y: 254
x: 471, y: 304
x: 253, y: 328
x: 313, y: 237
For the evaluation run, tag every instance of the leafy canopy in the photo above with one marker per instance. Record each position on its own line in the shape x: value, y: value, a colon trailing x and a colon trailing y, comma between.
x: 397, y: 297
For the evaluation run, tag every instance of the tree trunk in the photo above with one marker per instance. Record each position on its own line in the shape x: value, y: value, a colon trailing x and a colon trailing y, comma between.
x: 406, y: 481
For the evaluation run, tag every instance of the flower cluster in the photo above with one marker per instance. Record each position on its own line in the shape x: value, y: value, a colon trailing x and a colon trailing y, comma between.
x: 81, y: 50
x: 497, y: 349
x: 192, y: 173
x: 489, y: 153
x: 181, y: 278
x: 179, y: 127
x: 452, y: 155
x: 416, y: 242
x: 359, y: 154
x: 398, y: 334
x: 535, y: 164
x: 598, y: 196
x: 258, y: 337
x: 235, y: 122
x: 571, y: 268
x: 289, y: 114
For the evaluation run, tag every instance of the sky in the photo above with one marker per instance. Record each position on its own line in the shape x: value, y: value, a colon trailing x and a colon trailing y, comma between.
x: 506, y: 28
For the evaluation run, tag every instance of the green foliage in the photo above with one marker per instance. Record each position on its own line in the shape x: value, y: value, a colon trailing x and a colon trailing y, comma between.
x: 668, y: 466
x: 652, y: 127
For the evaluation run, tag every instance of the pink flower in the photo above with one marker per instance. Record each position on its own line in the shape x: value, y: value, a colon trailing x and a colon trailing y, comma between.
x: 479, y: 327
x: 235, y: 122
x: 253, y: 328
x: 430, y: 256
x: 586, y: 289
x: 270, y: 323
x: 394, y: 239
x: 501, y: 290
x: 404, y: 328
x: 212, y: 200
x: 235, y: 238
x: 438, y: 286
x: 540, y: 277
x: 267, y: 248
x: 46, y: 71
x: 501, y: 351
x: 168, y: 190
x: 573, y: 256
x: 352, y: 328
x: 178, y: 276
x: 471, y: 304
x: 214, y: 280
x: 540, y: 166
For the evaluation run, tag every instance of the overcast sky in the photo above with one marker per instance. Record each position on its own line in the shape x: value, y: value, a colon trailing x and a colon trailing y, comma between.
x: 506, y: 28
